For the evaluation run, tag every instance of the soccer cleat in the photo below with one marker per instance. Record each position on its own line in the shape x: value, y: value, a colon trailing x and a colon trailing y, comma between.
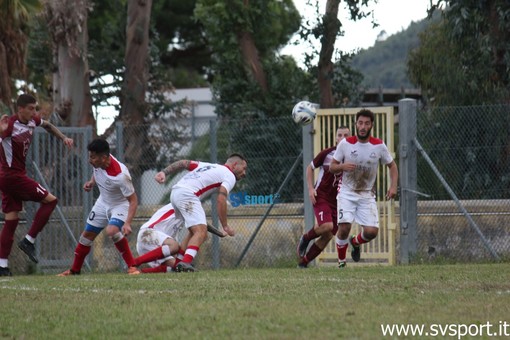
x: 356, y: 250
x: 184, y: 267
x: 342, y: 264
x: 302, y: 246
x: 28, y: 248
x: 68, y: 272
x: 133, y: 271
x: 302, y: 265
x: 4, y: 271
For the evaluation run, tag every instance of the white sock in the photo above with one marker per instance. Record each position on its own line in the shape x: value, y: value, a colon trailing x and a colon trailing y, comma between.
x: 30, y: 239
x: 4, y: 263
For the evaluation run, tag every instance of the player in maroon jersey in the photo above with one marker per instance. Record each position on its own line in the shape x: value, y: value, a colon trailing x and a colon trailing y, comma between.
x: 323, y: 198
x: 16, y: 134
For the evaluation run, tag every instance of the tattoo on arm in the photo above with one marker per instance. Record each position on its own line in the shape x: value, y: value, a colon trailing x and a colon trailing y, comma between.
x: 176, y: 166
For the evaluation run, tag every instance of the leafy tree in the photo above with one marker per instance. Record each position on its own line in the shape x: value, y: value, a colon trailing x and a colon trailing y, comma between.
x: 465, y: 58
x: 14, y: 31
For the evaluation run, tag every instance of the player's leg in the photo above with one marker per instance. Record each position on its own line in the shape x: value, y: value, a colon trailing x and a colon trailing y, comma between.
x: 95, y: 221
x: 346, y: 210
x: 368, y: 217
x: 153, y: 245
x: 194, y: 220
x: 11, y: 206
x: 305, y: 239
x: 30, y: 190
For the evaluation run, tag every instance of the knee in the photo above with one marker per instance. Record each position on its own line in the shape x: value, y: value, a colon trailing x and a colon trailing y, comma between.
x: 369, y: 233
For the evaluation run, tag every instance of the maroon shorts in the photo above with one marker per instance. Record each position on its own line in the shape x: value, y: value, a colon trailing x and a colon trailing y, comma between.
x: 16, y: 189
x: 325, y: 212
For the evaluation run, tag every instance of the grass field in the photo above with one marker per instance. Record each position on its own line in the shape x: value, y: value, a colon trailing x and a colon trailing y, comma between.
x: 323, y: 303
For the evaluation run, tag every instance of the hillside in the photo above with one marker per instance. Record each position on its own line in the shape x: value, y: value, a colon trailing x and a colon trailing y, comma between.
x: 385, y: 64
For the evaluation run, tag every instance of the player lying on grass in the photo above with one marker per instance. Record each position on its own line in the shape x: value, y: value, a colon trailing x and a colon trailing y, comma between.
x: 157, y: 241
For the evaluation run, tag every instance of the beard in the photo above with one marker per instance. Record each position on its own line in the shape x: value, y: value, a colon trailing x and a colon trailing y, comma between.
x: 363, y: 137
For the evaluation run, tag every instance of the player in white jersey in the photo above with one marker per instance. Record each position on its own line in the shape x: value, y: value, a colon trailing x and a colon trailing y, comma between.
x: 358, y: 157
x: 114, y: 209
x: 157, y: 241
x: 202, y: 180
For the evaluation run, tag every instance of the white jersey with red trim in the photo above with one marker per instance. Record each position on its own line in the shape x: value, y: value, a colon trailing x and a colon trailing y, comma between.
x: 114, y: 183
x: 206, y: 178
x: 164, y: 221
x: 366, y: 156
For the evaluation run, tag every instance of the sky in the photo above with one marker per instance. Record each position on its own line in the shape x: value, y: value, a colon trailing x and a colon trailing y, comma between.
x: 392, y: 16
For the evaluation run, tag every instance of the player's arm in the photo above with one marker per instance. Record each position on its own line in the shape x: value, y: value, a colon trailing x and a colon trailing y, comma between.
x: 90, y: 184
x: 57, y: 133
x: 175, y: 167
x: 392, y: 191
x: 309, y: 181
x: 335, y: 167
x: 133, y: 205
x: 221, y: 205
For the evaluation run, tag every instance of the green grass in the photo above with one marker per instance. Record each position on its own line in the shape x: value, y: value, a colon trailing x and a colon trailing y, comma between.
x: 325, y: 303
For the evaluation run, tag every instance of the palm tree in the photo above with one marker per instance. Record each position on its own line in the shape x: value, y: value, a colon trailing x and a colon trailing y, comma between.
x: 14, y: 28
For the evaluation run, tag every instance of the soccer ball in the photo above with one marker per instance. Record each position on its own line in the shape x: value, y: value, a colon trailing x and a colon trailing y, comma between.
x: 303, y: 113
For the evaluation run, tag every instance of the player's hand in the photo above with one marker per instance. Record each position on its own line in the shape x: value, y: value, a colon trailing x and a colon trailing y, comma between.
x: 349, y: 167
x: 126, y: 229
x: 4, y: 122
x: 228, y: 230
x: 88, y: 186
x: 392, y: 192
x: 69, y: 142
x: 312, y: 195
x: 160, y: 177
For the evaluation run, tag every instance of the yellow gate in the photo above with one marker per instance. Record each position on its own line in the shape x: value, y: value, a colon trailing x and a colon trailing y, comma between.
x: 382, y: 249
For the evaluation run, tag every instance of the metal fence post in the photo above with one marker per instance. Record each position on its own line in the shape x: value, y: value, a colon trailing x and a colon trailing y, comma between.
x: 214, y: 212
x: 408, y: 179
x: 307, y: 159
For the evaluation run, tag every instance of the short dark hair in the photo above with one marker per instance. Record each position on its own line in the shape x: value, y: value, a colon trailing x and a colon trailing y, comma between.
x: 24, y: 100
x: 365, y: 113
x: 99, y: 146
x: 238, y: 155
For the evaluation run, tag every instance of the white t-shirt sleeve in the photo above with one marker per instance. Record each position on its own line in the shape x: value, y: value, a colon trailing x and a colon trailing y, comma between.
x: 339, y: 153
x: 126, y: 185
x: 385, y: 155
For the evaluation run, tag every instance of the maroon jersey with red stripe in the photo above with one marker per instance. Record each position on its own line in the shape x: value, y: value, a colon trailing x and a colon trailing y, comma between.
x: 327, y: 183
x: 15, y: 142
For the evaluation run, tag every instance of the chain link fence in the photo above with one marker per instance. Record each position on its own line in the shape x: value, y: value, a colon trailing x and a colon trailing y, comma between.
x: 464, y: 207
x: 267, y: 216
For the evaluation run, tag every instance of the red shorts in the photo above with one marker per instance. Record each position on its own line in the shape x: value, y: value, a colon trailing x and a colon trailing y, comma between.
x: 16, y: 189
x: 325, y: 212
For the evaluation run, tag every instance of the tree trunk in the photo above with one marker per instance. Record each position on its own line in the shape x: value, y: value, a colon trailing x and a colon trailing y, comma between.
x: 250, y: 55
x: 71, y: 89
x: 5, y: 84
x: 331, y: 28
x: 133, y: 105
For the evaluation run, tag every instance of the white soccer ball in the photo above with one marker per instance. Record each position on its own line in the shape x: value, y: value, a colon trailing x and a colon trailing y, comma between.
x: 303, y: 113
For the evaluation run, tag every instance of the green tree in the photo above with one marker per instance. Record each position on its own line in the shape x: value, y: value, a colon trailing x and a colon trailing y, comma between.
x: 14, y: 32
x: 465, y: 58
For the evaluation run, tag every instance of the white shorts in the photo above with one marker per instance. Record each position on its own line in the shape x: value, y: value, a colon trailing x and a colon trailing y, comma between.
x: 188, y: 207
x: 101, y: 213
x: 359, y: 208
x: 149, y: 239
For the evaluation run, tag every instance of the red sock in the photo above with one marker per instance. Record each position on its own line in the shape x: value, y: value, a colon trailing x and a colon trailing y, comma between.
x: 341, y: 249
x: 310, y: 235
x: 358, y: 240
x: 312, y: 253
x: 7, y: 237
x: 152, y: 255
x: 190, y: 254
x: 123, y: 247
x: 80, y: 253
x: 159, y: 269
x: 41, y: 217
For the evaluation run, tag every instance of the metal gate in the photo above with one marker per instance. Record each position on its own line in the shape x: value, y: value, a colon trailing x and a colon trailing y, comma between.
x: 382, y: 248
